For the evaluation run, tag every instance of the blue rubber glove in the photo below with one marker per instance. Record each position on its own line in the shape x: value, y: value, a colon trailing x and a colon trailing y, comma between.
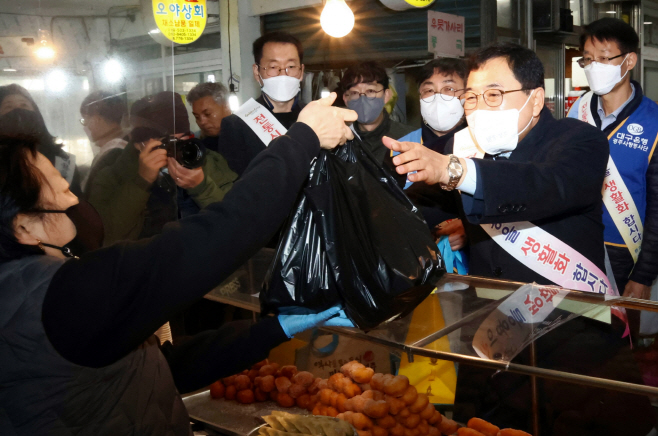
x: 295, y: 320
x: 452, y: 259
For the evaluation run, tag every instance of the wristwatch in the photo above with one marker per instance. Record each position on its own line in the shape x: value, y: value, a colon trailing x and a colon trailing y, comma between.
x: 455, y: 171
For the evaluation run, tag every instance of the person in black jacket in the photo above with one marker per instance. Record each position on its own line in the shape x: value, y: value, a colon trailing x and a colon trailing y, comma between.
x: 548, y: 172
x: 278, y: 68
x: 210, y: 106
x: 76, y: 346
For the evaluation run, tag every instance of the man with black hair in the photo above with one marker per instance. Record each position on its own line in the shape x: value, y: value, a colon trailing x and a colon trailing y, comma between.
x: 366, y: 91
x: 529, y: 184
x: 617, y: 107
x: 102, y: 113
x: 278, y: 69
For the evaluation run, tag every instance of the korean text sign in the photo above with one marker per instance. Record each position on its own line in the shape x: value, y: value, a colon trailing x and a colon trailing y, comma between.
x: 445, y: 34
x: 181, y: 21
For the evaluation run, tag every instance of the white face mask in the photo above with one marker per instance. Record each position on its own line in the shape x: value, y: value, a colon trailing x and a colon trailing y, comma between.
x: 603, y: 77
x: 497, y: 131
x: 281, y: 88
x: 441, y: 115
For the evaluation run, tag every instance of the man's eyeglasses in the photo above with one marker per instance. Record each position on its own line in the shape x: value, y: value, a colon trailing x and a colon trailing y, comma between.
x: 447, y: 93
x: 370, y: 93
x: 292, y: 70
x: 583, y: 62
x: 492, y: 97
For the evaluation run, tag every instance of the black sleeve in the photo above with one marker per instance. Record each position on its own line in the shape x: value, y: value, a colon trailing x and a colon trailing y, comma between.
x: 219, y: 353
x: 238, y: 143
x: 436, y: 204
x: 569, y: 179
x: 100, y: 307
x: 646, y: 268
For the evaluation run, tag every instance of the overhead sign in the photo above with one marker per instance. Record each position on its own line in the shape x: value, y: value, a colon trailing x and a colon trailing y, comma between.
x: 401, y: 5
x: 445, y: 34
x: 180, y: 21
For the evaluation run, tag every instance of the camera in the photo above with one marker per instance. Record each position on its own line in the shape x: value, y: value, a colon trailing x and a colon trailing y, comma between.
x: 190, y: 153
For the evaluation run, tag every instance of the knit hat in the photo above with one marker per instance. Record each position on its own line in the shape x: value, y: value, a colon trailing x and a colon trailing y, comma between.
x: 158, y: 115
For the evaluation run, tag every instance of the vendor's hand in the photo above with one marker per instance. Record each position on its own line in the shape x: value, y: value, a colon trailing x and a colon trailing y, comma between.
x: 431, y: 167
x: 297, y: 320
x: 637, y: 290
x: 184, y: 177
x: 328, y: 122
x: 454, y: 229
x: 151, y: 159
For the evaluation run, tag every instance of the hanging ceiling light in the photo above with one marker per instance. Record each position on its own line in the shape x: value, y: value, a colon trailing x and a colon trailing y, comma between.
x: 337, y: 19
x: 44, y: 49
x: 113, y: 70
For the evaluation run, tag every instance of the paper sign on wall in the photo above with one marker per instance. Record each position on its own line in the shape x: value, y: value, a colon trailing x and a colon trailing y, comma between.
x: 181, y: 21
x: 445, y: 34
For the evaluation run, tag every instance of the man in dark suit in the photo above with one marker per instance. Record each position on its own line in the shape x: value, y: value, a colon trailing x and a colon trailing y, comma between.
x: 532, y: 168
x: 278, y: 69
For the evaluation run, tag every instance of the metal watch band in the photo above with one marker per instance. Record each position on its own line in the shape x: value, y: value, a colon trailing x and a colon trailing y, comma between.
x: 455, y: 171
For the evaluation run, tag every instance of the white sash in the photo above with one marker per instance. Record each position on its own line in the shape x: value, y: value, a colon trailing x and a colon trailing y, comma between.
x: 616, y: 197
x: 261, y: 121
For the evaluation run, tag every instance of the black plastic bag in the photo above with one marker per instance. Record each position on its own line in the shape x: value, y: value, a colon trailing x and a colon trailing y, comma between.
x: 355, y: 239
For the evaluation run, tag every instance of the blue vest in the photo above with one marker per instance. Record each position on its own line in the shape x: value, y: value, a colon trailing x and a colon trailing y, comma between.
x: 632, y: 144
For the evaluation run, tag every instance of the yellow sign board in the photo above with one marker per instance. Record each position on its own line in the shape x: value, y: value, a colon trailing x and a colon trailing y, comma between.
x: 181, y: 21
x: 420, y: 3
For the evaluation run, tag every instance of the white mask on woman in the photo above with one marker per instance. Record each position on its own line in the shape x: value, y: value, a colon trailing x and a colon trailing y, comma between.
x: 441, y: 115
x: 281, y: 88
x: 497, y: 131
x: 603, y: 77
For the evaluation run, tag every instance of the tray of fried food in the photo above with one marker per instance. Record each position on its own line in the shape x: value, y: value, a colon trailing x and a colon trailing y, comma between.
x: 284, y: 423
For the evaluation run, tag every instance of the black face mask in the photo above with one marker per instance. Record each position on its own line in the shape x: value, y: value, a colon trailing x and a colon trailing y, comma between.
x: 89, y: 226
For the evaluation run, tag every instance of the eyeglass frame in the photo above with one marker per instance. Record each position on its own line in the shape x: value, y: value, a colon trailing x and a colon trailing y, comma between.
x: 581, y: 61
x: 442, y: 94
x: 280, y: 69
x: 353, y: 94
x: 477, y: 96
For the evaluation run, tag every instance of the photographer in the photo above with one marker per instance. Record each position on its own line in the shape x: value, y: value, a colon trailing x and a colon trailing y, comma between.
x: 141, y: 188
x: 76, y: 346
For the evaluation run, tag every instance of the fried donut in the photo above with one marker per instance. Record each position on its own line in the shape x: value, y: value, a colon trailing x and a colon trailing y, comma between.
x: 325, y: 396
x: 409, y: 396
x: 217, y: 390
x: 230, y: 393
x: 375, y: 409
x: 484, y: 427
x: 261, y: 364
x: 377, y: 382
x: 276, y: 367
x: 331, y: 411
x: 420, y: 404
x: 378, y: 431
x: 348, y: 416
x: 436, y: 418
x: 267, y: 383
x: 373, y: 395
x: 253, y: 373
x: 428, y: 412
x: 398, y: 430
x: 228, y: 381
x: 336, y: 382
x: 296, y: 390
x: 465, y: 431
x: 362, y: 375
x: 352, y: 390
x: 512, y: 432
x: 282, y: 384
x: 349, y: 366
x: 341, y: 399
x: 323, y: 384
x: 245, y: 396
x: 448, y: 426
x: 266, y: 370
x: 288, y: 371
x: 316, y: 410
x: 334, y: 399
x: 433, y: 431
x: 364, y: 433
x: 361, y: 421
x: 396, y: 386
x: 260, y: 395
x: 411, y: 432
x: 314, y: 389
x: 242, y: 382
x: 386, y: 422
x: 411, y: 421
x: 423, y: 427
x: 404, y: 414
x: 358, y: 403
x: 285, y: 400
x: 395, y: 405
x: 303, y: 378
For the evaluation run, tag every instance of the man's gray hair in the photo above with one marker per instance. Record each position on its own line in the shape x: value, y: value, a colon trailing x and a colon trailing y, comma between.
x: 217, y: 91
